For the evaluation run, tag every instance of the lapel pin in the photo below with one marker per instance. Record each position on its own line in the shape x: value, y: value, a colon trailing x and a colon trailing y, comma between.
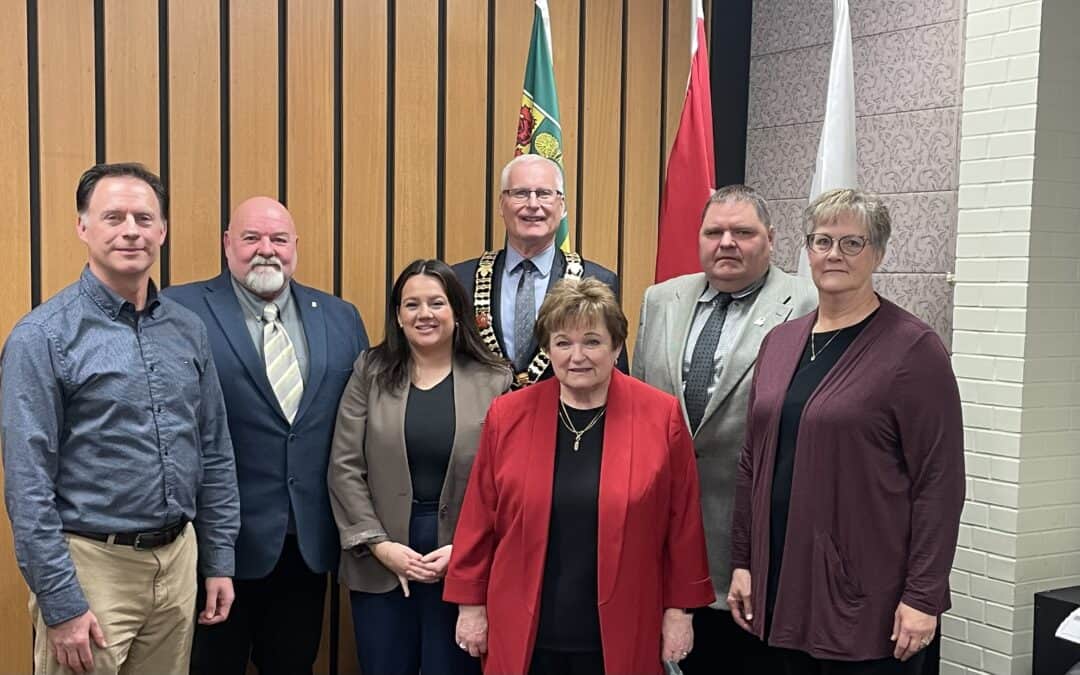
x: 760, y: 321
x: 314, y: 304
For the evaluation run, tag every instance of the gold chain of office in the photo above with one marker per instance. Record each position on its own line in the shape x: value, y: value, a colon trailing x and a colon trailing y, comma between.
x: 485, y: 274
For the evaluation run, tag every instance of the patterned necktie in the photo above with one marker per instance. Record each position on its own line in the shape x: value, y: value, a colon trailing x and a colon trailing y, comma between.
x: 282, y: 368
x: 524, y: 315
x: 703, y: 363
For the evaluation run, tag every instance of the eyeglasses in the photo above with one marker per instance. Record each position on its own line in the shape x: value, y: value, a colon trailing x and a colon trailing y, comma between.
x: 850, y: 245
x: 543, y: 195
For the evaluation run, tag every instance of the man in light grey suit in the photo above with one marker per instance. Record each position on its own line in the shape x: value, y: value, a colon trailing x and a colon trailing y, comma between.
x: 698, y: 339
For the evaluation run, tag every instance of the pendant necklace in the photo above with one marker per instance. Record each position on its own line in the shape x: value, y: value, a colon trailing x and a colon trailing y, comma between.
x: 813, y: 351
x: 564, y: 417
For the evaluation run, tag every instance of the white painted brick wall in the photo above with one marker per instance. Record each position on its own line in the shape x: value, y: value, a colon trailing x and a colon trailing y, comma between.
x: 1016, y: 343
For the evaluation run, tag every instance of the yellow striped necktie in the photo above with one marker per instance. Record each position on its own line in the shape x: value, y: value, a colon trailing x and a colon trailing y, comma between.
x: 282, y: 368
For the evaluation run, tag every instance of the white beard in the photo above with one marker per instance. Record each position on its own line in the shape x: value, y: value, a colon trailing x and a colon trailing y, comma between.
x: 265, y: 279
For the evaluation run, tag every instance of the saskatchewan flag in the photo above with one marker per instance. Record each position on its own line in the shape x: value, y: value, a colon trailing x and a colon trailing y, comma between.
x: 538, y: 131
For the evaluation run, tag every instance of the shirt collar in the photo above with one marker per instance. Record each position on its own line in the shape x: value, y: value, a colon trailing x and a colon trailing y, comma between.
x: 111, y: 302
x: 710, y: 292
x: 254, y: 304
x: 543, y: 260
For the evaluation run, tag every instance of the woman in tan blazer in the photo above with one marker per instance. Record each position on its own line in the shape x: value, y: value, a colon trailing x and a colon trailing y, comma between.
x: 407, y: 431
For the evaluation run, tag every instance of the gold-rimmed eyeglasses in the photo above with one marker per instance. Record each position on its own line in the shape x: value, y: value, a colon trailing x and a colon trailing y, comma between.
x: 543, y: 195
x: 850, y: 245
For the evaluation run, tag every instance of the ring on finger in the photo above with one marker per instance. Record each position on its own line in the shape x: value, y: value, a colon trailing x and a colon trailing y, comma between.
x: 461, y: 644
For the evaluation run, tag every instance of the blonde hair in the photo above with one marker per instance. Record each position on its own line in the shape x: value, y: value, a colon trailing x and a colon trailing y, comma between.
x: 577, y: 302
x: 867, y: 208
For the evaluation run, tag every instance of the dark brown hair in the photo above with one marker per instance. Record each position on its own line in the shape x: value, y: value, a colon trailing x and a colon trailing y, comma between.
x: 389, y: 360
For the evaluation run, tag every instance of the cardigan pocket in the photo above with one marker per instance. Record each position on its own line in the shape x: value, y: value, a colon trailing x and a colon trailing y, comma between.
x: 838, y: 597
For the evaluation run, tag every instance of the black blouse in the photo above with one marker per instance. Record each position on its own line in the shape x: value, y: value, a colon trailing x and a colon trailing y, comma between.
x: 429, y: 437
x: 569, y: 615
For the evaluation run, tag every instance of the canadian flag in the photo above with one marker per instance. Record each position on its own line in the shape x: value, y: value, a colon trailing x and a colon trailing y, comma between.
x: 691, y: 169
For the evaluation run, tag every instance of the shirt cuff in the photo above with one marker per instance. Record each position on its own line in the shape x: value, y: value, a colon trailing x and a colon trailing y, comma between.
x: 63, y: 604
x: 217, y: 562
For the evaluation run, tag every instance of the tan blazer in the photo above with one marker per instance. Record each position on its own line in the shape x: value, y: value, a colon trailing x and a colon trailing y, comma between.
x: 370, y: 485
x: 667, y: 312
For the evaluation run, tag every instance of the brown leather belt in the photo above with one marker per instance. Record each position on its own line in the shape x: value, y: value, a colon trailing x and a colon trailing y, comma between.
x: 140, y: 541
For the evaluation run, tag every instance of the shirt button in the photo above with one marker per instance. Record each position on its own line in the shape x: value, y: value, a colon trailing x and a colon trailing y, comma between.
x: 151, y: 367
x: 292, y: 480
x: 160, y: 408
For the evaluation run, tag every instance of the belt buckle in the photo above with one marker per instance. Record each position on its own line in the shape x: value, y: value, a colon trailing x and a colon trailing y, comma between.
x: 138, y: 543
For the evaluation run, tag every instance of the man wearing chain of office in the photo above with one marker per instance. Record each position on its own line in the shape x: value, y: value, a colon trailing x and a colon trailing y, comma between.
x: 509, y: 285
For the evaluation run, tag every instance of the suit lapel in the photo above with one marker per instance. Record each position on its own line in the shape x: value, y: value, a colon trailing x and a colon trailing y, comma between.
x: 540, y: 472
x: 496, y: 298
x: 313, y: 316
x: 680, y: 316
x: 221, y: 298
x: 614, y: 485
x: 771, y: 308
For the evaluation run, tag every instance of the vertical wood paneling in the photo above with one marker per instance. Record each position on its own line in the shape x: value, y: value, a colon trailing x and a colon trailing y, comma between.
x: 131, y: 82
x: 565, y: 42
x: 310, y: 136
x: 132, y: 119
x: 513, y: 23
x: 364, y: 91
x: 194, y: 140
x: 66, y: 88
x: 466, y: 128
x: 415, y: 126
x: 14, y: 294
x: 640, y: 200
x: 678, y: 67
x: 599, y: 198
x: 253, y: 99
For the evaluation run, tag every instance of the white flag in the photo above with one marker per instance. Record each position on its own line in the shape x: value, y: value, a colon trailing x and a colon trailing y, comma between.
x: 836, y: 165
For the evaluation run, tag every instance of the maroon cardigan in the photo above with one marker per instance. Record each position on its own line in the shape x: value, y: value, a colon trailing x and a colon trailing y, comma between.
x: 876, y: 494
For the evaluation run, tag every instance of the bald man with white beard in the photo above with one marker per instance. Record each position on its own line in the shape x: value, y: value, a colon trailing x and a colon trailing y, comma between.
x: 284, y: 352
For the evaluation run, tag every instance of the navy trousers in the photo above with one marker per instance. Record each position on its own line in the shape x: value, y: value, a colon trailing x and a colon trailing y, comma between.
x: 396, y: 635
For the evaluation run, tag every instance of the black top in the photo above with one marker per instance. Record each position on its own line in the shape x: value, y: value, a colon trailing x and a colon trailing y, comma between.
x: 829, y: 347
x: 429, y: 437
x: 569, y: 615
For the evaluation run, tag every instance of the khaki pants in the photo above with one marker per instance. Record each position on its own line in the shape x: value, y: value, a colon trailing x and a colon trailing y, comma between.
x: 144, y: 601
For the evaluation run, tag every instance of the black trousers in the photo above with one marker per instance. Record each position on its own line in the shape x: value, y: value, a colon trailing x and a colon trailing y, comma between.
x: 551, y: 662
x: 396, y: 635
x: 276, y: 621
x: 790, y: 662
x: 719, y: 643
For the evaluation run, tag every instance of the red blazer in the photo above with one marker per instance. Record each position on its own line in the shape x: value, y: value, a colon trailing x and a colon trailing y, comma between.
x: 650, y: 538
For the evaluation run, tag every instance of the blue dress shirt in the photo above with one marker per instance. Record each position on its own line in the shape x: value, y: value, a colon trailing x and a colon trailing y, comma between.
x: 112, y: 421
x: 511, y: 276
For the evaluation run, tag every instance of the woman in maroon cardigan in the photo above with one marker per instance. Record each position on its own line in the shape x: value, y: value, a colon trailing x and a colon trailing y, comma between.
x: 851, y: 479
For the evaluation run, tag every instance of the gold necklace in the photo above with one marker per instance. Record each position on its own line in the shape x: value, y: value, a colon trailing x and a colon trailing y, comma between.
x: 813, y: 351
x: 564, y: 417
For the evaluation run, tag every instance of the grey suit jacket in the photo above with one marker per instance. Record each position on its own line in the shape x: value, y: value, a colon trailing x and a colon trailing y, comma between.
x: 667, y: 312
x: 370, y: 485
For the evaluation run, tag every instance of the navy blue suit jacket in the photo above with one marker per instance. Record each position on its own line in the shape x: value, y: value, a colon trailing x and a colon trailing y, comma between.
x: 466, y: 274
x: 278, y: 464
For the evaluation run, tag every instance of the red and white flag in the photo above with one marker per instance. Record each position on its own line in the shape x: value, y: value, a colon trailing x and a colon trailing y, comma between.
x: 691, y: 169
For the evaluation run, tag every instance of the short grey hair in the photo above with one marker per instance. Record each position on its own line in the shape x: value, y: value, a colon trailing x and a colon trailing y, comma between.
x: 504, y: 180
x: 740, y: 193
x: 867, y: 208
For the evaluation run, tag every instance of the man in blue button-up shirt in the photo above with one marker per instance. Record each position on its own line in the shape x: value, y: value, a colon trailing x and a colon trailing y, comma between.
x: 114, y: 443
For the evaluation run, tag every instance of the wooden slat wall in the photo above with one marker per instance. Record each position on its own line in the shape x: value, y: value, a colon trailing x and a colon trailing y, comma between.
x: 335, y: 107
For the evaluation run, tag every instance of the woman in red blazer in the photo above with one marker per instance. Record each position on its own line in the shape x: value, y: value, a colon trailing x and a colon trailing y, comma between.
x: 580, y: 545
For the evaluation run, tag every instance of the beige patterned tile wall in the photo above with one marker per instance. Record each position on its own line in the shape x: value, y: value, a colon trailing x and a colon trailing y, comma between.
x: 907, y: 59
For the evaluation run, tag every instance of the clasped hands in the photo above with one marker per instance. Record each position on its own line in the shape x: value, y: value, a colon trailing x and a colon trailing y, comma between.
x: 409, y: 565
x: 912, y: 630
